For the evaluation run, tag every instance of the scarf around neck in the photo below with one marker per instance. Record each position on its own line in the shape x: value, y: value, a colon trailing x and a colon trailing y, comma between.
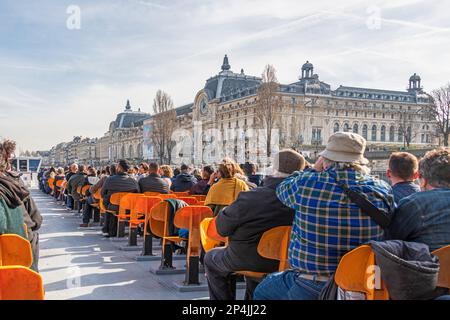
x: 13, y: 192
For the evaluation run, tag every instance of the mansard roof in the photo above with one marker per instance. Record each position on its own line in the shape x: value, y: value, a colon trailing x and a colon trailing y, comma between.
x: 186, y: 109
x: 129, y: 118
x: 227, y: 82
x: 380, y: 94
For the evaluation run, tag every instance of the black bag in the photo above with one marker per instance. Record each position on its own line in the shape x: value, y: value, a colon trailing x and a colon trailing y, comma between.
x: 381, y: 216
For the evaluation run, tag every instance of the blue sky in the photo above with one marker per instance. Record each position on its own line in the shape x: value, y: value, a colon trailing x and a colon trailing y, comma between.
x: 56, y: 83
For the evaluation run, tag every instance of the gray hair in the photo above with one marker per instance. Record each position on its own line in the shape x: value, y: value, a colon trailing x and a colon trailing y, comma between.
x: 356, y: 166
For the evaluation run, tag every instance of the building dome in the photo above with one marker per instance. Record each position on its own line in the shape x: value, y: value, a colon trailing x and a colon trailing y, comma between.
x: 415, y: 77
x: 308, y: 65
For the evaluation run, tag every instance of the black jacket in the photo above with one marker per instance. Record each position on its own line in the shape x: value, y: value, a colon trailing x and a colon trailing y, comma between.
x: 183, y: 182
x: 245, y: 221
x: 120, y: 182
x: 153, y: 183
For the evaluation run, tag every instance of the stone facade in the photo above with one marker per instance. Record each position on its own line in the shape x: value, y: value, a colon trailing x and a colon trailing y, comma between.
x: 312, y: 111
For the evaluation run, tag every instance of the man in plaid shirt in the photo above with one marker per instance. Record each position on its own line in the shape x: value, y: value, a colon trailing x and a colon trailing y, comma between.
x: 327, y: 223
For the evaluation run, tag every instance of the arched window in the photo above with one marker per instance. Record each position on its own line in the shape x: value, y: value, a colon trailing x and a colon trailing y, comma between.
x: 392, y: 134
x: 130, y: 151
x: 139, y: 150
x: 364, y: 131
x: 383, y: 133
x: 336, y: 127
x: 408, y: 134
x: 400, y: 134
x: 346, y: 127
x: 374, y: 133
x: 122, y: 154
x: 355, y: 128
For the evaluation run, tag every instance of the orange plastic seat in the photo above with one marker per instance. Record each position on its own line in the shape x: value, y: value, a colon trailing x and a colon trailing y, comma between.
x: 84, y: 189
x: 20, y: 283
x: 141, y: 214
x: 181, y: 194
x: 15, y: 250
x: 274, y: 244
x: 115, y: 200
x: 356, y: 272
x: 190, y: 218
x: 209, y: 236
x: 50, y: 183
x: 444, y: 269
x: 198, y: 197
x: 97, y: 197
x: 159, y: 226
x: 189, y: 200
x: 126, y: 206
x: 152, y: 194
x: 161, y: 195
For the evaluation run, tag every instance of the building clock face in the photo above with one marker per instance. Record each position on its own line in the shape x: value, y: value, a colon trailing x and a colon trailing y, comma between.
x: 203, y: 107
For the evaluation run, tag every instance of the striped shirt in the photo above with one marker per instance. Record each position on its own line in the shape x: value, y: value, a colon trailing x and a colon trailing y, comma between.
x: 327, y: 224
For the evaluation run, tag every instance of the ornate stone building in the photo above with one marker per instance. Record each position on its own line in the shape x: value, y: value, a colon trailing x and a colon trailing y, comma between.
x: 125, y: 135
x: 311, y: 112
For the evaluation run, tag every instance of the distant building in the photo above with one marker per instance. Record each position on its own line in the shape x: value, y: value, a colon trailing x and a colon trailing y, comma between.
x: 125, y: 135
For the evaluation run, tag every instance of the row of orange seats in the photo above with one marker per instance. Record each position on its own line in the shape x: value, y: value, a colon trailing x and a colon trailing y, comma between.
x: 17, y: 280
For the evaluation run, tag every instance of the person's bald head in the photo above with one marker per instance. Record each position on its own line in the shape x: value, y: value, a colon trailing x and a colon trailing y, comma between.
x: 74, y: 168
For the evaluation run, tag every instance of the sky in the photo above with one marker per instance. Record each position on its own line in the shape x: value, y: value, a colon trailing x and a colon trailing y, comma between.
x: 68, y: 67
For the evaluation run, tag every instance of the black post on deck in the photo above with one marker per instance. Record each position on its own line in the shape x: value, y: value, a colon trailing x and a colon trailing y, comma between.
x: 96, y: 215
x: 148, y: 245
x: 192, y: 271
x: 121, y: 229
x: 166, y: 258
x: 132, y: 237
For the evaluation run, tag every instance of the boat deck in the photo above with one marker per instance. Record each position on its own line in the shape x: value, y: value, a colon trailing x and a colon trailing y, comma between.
x: 78, y: 263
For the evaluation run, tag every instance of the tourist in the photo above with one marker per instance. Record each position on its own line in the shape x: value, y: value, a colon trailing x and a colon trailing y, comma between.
x: 425, y: 216
x: 202, y: 187
x: 17, y: 207
x: 142, y: 170
x: 227, y: 188
x: 327, y: 224
x: 153, y: 181
x: 402, y: 172
x: 184, y: 181
x: 60, y: 176
x: 87, y: 210
x: 119, y: 182
x: 250, y: 171
x: 75, y: 181
x: 73, y: 171
x: 244, y: 221
x: 90, y: 180
x: 197, y: 173
x: 166, y: 173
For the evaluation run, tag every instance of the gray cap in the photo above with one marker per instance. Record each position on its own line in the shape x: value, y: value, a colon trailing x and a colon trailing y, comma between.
x: 288, y: 161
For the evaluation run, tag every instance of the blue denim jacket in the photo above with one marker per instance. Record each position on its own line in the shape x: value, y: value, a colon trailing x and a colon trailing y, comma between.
x: 403, y: 189
x: 423, y: 217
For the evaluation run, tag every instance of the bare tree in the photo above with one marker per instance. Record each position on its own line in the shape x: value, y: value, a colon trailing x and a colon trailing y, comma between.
x: 440, y: 111
x: 406, y: 125
x: 164, y: 122
x: 268, y: 100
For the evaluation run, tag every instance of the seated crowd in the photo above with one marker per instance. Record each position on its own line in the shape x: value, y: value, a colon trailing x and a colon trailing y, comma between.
x: 317, y: 200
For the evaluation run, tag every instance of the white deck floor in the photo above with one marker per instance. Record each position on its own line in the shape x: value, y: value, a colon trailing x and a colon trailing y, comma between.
x: 79, y: 264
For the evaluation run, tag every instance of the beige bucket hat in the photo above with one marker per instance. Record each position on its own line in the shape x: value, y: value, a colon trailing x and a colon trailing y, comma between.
x: 345, y: 147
